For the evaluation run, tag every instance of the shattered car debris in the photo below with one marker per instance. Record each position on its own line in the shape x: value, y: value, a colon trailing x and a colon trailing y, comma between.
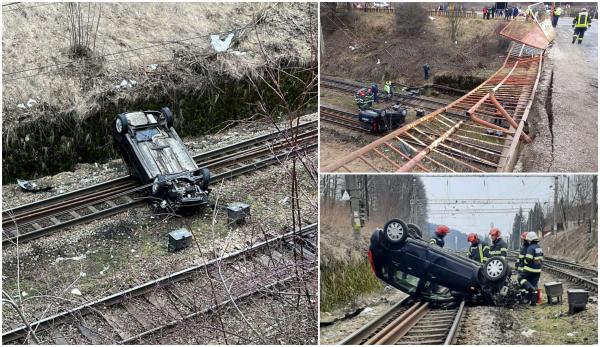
x: 156, y: 155
x: 400, y: 257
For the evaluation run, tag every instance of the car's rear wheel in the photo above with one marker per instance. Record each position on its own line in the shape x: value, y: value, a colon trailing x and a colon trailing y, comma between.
x: 495, y: 269
x: 415, y: 231
x: 168, y: 116
x: 395, y: 231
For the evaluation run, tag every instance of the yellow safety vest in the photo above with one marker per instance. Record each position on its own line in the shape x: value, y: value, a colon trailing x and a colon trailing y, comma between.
x: 582, y: 20
x: 557, y: 11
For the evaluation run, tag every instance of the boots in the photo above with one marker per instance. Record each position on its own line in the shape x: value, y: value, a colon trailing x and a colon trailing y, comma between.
x: 532, y: 298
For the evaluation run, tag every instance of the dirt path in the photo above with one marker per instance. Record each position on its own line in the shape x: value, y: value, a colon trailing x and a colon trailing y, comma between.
x: 575, y: 100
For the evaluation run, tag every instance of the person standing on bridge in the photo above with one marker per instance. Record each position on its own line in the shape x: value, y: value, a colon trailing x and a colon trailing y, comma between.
x: 438, y: 238
x: 557, y: 13
x: 478, y: 251
x: 532, y: 267
x: 581, y: 23
x: 499, y: 248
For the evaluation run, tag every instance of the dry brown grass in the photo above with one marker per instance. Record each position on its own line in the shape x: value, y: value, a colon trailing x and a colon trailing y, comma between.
x: 38, y: 36
x: 572, y: 244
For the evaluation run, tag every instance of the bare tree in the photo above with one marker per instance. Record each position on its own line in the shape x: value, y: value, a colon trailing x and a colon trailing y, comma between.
x: 455, y: 22
x: 83, y: 23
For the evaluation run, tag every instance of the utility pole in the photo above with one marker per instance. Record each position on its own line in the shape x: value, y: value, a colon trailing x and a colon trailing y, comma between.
x: 555, y: 208
x: 594, y: 212
x: 566, y: 207
x: 352, y: 188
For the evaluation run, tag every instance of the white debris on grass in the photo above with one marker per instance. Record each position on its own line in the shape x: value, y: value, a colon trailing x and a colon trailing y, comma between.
x: 238, y: 53
x: 79, y: 257
x: 76, y: 291
x: 31, y: 102
x: 284, y: 200
x: 351, y: 48
x: 431, y: 18
x: 23, y: 294
x: 378, y: 61
x: 126, y: 84
x: 528, y: 333
x: 104, y: 269
x: 572, y: 334
x: 220, y: 45
x: 152, y: 67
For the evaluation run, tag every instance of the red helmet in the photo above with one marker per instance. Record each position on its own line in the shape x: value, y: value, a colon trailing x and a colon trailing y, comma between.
x: 441, y: 230
x: 472, y: 238
x: 495, y: 232
x: 523, y: 235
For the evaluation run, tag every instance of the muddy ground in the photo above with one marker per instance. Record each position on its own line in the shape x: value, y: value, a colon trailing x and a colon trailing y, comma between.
x: 130, y: 248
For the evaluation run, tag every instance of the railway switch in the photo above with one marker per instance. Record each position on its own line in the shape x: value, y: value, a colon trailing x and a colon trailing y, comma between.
x: 554, y: 289
x: 237, y: 213
x: 577, y: 299
x: 179, y: 239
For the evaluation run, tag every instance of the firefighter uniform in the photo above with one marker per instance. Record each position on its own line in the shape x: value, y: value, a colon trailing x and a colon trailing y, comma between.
x: 437, y: 240
x: 581, y: 23
x: 499, y: 248
x: 532, y: 269
x: 557, y: 13
x: 522, y: 253
x: 479, y: 252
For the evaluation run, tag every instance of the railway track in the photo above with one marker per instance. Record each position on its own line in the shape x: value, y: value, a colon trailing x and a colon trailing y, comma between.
x: 481, y: 131
x: 411, y: 100
x: 341, y: 118
x: 408, y: 323
x: 579, y: 274
x: 155, y: 308
x: 31, y: 221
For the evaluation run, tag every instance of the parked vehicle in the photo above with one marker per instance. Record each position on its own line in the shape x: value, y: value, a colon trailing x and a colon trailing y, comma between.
x: 156, y: 155
x: 400, y: 257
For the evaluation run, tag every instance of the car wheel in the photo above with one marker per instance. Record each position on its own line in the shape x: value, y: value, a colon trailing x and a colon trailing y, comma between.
x: 415, y: 231
x: 395, y: 231
x: 495, y: 269
x: 121, y: 124
x: 205, y: 179
x: 168, y: 116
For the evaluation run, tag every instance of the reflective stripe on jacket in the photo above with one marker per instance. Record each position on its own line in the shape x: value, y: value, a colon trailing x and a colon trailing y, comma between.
x: 582, y: 20
x: 436, y: 240
x: 557, y: 11
x: 499, y: 248
x: 479, y: 252
x: 533, y: 258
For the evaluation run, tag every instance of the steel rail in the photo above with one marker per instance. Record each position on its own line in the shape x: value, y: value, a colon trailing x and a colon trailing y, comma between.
x: 510, y: 90
x: 113, y: 299
x: 406, y: 323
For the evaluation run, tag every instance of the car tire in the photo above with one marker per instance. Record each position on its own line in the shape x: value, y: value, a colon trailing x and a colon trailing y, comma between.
x: 120, y: 124
x: 205, y: 179
x: 495, y: 269
x: 395, y: 231
x: 415, y: 231
x: 166, y: 112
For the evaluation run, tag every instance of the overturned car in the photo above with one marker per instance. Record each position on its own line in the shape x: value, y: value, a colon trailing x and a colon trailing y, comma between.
x: 156, y: 155
x: 400, y: 257
x: 382, y: 120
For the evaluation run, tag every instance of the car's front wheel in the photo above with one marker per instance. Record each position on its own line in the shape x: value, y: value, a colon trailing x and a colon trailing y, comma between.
x: 121, y: 124
x: 495, y: 269
x: 395, y: 231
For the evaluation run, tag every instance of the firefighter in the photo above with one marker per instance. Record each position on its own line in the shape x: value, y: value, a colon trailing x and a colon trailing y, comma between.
x: 478, y: 251
x: 522, y: 252
x: 499, y: 246
x: 440, y: 232
x: 557, y: 13
x: 581, y: 23
x: 532, y: 267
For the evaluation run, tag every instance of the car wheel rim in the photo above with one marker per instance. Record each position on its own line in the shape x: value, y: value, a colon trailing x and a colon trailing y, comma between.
x: 395, y: 231
x: 495, y: 268
x: 119, y: 125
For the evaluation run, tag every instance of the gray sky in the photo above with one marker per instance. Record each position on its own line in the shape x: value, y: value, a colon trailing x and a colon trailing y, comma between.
x: 498, y: 187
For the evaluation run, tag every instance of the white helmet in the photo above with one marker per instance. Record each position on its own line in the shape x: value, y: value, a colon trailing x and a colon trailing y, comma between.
x: 531, y: 236
x: 583, y: 10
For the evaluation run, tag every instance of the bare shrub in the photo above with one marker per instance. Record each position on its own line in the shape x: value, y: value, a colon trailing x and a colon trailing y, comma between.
x: 410, y: 17
x: 83, y: 22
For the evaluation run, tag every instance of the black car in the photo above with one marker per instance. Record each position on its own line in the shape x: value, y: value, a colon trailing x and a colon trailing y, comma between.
x: 382, y: 120
x: 156, y: 155
x: 400, y: 257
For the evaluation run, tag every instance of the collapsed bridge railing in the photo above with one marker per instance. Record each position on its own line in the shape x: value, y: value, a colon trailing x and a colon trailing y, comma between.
x: 479, y: 132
